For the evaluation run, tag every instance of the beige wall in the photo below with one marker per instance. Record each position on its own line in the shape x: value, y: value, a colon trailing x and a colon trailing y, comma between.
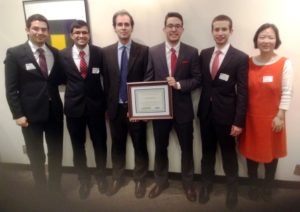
x: 149, y: 16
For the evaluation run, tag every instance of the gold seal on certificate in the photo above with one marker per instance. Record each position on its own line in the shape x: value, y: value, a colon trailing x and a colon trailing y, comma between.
x: 149, y: 100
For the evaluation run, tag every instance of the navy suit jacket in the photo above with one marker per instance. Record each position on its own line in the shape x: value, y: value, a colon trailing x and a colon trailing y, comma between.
x: 187, y: 73
x: 137, y: 72
x: 83, y: 95
x: 227, y: 97
x: 27, y: 91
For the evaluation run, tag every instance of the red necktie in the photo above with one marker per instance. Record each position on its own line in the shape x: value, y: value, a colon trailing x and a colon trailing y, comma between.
x: 82, y: 64
x: 42, y: 62
x: 173, y: 61
x: 215, y: 64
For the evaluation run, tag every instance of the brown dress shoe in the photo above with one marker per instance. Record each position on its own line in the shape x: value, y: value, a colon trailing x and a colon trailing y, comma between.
x: 102, y: 186
x: 115, y: 187
x: 84, y: 190
x: 191, y: 194
x: 140, y: 189
x: 157, y: 189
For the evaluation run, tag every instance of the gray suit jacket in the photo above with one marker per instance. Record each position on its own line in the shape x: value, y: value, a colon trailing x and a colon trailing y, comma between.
x: 187, y: 73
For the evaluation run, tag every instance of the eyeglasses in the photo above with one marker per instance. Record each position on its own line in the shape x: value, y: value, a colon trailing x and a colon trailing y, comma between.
x: 80, y: 32
x: 176, y: 26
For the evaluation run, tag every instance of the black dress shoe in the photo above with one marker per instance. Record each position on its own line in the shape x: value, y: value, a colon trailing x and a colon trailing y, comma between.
x: 115, y: 187
x: 231, y: 199
x: 102, y: 186
x: 253, y: 193
x: 157, y: 189
x: 204, y: 194
x: 267, y: 194
x: 84, y: 190
x: 140, y: 189
x: 191, y: 194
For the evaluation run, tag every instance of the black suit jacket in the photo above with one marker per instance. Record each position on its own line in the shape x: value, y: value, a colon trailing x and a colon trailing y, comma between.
x: 187, y: 73
x: 228, y: 98
x: 137, y: 71
x: 83, y: 95
x: 27, y: 91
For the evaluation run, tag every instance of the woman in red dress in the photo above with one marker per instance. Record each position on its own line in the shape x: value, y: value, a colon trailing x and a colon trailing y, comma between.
x: 270, y: 91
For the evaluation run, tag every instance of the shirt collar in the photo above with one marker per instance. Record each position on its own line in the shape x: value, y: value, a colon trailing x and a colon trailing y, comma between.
x: 223, y: 50
x: 35, y: 47
x: 128, y: 45
x: 176, y: 47
x: 76, y: 50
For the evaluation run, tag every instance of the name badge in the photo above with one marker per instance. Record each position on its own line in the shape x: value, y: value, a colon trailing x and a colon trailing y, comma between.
x: 267, y: 79
x: 95, y: 70
x: 29, y: 66
x: 224, y: 77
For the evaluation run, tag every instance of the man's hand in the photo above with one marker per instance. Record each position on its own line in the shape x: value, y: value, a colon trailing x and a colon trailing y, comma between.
x: 22, y: 122
x: 235, y: 131
x: 172, y: 82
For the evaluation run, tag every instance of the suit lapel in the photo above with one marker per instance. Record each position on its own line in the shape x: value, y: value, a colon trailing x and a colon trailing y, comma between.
x: 227, y: 58
x: 29, y: 53
x: 207, y: 59
x: 163, y: 59
x: 134, y: 53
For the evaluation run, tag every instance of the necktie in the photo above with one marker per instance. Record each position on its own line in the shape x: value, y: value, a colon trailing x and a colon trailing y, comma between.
x: 123, y: 73
x: 42, y: 62
x: 82, y: 64
x: 173, y: 61
x: 215, y: 64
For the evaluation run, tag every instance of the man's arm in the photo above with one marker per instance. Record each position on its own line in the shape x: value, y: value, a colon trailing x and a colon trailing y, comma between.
x: 12, y: 84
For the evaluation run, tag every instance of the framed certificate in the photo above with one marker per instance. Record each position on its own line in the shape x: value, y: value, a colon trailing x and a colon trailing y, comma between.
x: 149, y: 100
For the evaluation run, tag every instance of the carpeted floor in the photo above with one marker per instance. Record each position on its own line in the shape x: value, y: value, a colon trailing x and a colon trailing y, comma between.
x: 17, y: 194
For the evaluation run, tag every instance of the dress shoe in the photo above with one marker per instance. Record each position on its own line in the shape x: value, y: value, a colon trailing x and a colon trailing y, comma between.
x: 84, y: 190
x: 115, y: 187
x: 140, y: 189
x: 157, y: 189
x: 102, y: 186
x: 191, y: 194
x: 253, y: 193
x: 204, y: 194
x: 231, y: 199
x: 267, y: 194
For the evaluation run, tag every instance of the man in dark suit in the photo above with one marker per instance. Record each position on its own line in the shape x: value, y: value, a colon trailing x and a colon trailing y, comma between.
x: 32, y: 76
x: 125, y: 61
x: 85, y: 105
x: 222, y: 107
x: 177, y: 63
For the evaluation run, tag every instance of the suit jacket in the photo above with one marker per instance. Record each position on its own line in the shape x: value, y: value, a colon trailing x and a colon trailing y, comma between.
x: 227, y: 93
x: 187, y: 73
x: 27, y: 91
x: 137, y: 71
x: 83, y: 95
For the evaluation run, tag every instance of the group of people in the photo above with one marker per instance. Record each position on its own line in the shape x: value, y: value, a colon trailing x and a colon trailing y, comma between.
x: 242, y: 99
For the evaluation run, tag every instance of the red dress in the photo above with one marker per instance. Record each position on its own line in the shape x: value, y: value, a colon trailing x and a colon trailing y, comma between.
x: 258, y: 142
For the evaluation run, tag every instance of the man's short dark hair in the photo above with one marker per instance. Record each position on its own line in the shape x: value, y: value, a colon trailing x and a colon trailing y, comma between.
x: 221, y: 18
x: 78, y: 24
x: 262, y: 28
x: 173, y: 14
x: 121, y: 13
x: 36, y: 17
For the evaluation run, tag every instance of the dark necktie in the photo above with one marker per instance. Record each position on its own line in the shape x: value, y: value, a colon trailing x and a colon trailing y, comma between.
x: 215, y: 64
x: 123, y: 76
x: 42, y: 62
x: 82, y: 64
x: 173, y: 61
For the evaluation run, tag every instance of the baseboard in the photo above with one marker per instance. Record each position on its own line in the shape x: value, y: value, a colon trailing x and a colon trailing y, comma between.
x: 172, y: 175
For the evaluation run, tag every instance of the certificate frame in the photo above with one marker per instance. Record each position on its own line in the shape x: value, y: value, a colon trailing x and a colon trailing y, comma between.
x: 149, y: 100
